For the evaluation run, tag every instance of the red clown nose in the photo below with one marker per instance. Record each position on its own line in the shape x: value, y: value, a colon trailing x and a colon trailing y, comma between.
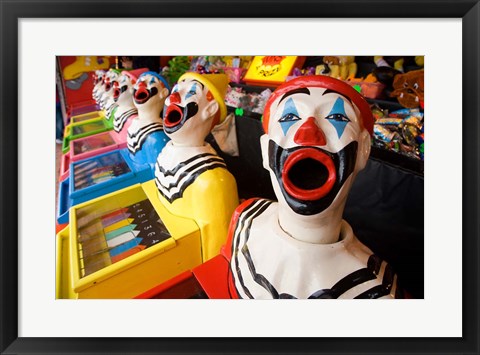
x: 310, y: 134
x: 175, y: 98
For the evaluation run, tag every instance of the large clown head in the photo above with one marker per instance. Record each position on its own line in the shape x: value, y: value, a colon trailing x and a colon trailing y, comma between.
x: 150, y: 92
x: 123, y: 87
x: 317, y: 138
x: 195, y: 106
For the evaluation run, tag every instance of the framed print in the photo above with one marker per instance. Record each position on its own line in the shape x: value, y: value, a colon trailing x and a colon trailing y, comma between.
x: 444, y: 318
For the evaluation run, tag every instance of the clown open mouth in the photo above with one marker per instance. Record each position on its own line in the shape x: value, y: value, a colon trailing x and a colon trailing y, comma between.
x: 310, y: 177
x: 175, y: 116
x: 142, y: 94
x: 116, y: 93
x: 308, y: 174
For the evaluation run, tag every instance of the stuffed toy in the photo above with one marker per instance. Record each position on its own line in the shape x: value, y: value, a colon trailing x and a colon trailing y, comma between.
x: 338, y: 67
x: 408, y: 89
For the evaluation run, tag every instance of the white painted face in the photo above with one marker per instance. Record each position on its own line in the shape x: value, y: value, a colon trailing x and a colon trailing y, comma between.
x: 123, y: 90
x: 149, y: 93
x: 189, y: 113
x: 314, y: 146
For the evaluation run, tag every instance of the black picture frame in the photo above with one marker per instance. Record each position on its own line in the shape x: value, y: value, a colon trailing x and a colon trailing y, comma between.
x: 12, y: 11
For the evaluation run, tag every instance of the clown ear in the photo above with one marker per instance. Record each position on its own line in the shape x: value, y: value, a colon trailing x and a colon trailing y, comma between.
x: 210, y: 109
x: 264, y: 148
x: 163, y: 93
x: 364, y: 146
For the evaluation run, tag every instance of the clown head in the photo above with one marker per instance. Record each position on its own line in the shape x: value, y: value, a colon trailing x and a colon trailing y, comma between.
x: 123, y: 87
x: 317, y: 138
x: 98, y: 81
x: 123, y: 90
x: 150, y: 92
x: 111, y: 76
x: 195, y: 106
x: 98, y: 78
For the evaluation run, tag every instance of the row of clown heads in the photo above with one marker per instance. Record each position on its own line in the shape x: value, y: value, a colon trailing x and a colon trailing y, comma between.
x: 317, y: 138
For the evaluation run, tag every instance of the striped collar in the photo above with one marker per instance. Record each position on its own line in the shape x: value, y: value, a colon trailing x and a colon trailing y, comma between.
x: 121, y: 117
x: 268, y: 263
x: 137, y: 135
x: 178, y: 167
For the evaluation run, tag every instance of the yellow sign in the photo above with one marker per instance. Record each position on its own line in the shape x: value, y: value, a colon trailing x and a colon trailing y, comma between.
x: 271, y: 69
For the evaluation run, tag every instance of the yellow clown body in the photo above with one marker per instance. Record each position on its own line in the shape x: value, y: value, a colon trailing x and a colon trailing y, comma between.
x: 192, y: 180
x: 194, y: 183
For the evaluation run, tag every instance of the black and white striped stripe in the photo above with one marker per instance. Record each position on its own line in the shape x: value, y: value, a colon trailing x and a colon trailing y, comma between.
x: 119, y: 121
x: 376, y: 280
x: 241, y: 235
x: 172, y: 183
x: 110, y: 110
x: 135, y: 140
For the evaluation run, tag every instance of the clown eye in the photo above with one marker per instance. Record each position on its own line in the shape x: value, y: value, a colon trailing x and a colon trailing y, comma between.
x: 289, y: 118
x: 152, y: 81
x: 287, y: 121
x: 338, y: 117
x: 123, y: 88
x: 190, y: 93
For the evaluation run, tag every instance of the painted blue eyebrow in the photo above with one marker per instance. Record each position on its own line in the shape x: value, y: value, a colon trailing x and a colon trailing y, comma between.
x: 152, y: 80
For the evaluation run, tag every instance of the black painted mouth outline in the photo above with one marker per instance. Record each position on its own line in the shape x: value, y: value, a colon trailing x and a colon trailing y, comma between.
x: 175, y: 116
x: 145, y: 94
x: 343, y: 161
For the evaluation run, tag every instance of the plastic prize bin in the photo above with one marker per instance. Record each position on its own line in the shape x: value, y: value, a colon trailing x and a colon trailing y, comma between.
x: 123, y: 244
x: 83, y: 129
x: 91, y: 116
x: 97, y: 176
x: 88, y: 147
x: 82, y: 107
x: 87, y: 116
